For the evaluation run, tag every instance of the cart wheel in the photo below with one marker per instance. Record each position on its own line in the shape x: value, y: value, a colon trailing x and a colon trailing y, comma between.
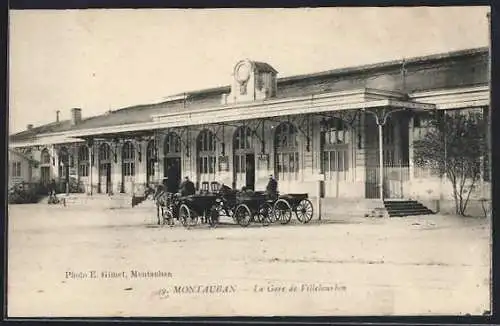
x: 282, y: 211
x: 265, y: 213
x: 304, y: 211
x: 243, y: 215
x: 168, y: 217
x: 185, y: 216
x: 213, y: 218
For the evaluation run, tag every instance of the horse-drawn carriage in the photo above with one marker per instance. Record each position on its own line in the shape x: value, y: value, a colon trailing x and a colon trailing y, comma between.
x: 243, y: 207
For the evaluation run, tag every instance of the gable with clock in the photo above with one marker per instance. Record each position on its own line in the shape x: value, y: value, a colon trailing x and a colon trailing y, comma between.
x: 252, y: 81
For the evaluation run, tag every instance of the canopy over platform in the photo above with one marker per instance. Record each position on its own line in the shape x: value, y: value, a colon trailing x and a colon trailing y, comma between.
x: 360, y: 99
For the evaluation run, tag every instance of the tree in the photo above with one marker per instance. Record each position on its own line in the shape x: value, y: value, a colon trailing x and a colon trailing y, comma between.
x: 454, y: 145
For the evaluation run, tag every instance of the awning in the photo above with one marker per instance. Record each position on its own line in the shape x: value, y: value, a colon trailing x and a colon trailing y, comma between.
x: 336, y: 101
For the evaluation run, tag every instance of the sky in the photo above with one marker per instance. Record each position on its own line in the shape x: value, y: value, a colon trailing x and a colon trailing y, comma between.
x: 103, y: 59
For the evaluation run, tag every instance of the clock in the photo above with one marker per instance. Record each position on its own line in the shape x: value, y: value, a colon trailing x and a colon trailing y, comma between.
x: 243, y: 72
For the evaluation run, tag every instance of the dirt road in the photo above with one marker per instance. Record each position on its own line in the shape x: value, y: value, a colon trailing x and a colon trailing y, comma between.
x: 79, y: 261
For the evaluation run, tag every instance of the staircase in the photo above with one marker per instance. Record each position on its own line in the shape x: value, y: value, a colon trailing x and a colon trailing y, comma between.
x: 401, y: 208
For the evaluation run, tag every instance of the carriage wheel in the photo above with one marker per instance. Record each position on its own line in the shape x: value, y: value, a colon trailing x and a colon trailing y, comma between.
x: 304, y: 211
x: 187, y: 218
x: 243, y: 215
x: 265, y: 212
x: 168, y: 217
x: 282, y: 211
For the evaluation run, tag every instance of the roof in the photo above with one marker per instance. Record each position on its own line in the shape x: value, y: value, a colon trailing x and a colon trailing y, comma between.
x: 265, y: 67
x: 385, y: 75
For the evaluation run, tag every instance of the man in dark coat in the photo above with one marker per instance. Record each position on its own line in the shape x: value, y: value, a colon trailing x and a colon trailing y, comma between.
x: 272, y: 188
x: 187, y: 187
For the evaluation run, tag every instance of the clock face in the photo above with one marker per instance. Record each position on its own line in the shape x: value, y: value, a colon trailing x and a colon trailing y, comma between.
x: 242, y: 72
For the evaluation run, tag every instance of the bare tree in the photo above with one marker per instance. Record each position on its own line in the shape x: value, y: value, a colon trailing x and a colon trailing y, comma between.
x: 454, y: 145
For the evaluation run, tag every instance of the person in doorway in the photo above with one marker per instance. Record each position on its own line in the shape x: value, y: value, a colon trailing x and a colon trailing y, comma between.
x: 272, y: 188
x: 187, y: 187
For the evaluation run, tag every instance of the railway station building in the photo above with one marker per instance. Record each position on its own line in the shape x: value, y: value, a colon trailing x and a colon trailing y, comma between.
x: 345, y: 133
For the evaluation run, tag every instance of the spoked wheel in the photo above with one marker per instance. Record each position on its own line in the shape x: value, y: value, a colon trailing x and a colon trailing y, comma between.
x: 264, y: 214
x: 168, y: 217
x: 243, y: 215
x: 282, y: 211
x: 304, y: 211
x: 187, y: 218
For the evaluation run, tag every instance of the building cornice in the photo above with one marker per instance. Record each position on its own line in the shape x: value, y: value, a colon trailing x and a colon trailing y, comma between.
x: 456, y: 98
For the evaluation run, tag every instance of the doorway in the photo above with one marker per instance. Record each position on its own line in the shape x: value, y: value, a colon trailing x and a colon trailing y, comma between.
x: 250, y: 171
x: 175, y: 164
x: 105, y: 178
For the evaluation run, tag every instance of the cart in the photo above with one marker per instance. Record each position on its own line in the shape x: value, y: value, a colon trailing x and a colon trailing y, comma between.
x: 293, y: 203
x: 193, y: 207
x: 253, y: 207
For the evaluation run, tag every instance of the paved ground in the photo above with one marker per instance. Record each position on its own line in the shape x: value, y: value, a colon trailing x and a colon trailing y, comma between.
x: 426, y: 265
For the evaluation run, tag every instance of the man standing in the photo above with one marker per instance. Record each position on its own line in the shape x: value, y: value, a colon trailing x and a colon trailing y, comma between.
x: 187, y: 187
x: 272, y: 188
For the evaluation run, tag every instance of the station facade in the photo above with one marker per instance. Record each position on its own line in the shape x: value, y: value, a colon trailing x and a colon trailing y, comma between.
x: 344, y: 133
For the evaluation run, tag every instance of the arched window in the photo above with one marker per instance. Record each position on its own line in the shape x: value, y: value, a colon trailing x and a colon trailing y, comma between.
x: 286, y: 163
x: 335, y: 152
x: 205, y: 146
x: 104, y: 153
x: 151, y: 158
x: 242, y: 144
x: 172, y: 145
x: 83, y: 161
x: 128, y: 159
x: 45, y: 157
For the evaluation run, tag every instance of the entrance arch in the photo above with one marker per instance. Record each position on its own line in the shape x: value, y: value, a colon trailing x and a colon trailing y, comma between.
x: 206, y: 156
x: 128, y: 167
x: 150, y: 161
x: 286, y: 152
x: 45, y: 174
x: 104, y: 156
x: 243, y: 158
x: 335, y: 155
x: 172, y: 156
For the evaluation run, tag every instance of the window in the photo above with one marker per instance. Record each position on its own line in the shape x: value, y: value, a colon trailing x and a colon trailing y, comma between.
x: 45, y: 159
x: 205, y: 145
x: 128, y: 159
x: 172, y: 145
x: 83, y: 161
x: 104, y: 153
x: 151, y: 158
x: 16, y: 169
x: 286, y: 151
x: 335, y: 155
x: 243, y: 139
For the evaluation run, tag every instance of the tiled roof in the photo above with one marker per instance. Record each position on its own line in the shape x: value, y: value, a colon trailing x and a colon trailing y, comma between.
x: 43, y: 129
x: 384, y: 75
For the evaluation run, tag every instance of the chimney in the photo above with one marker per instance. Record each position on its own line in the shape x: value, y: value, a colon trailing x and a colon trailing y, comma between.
x: 29, y: 127
x: 57, y: 115
x: 76, y: 116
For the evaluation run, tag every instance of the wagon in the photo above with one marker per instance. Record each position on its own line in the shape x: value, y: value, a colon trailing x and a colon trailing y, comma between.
x: 297, y: 203
x: 254, y: 207
x: 190, y: 208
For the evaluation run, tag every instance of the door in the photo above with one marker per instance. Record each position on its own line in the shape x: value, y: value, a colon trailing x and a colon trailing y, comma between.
x: 250, y: 171
x: 105, y: 178
x: 175, y: 164
x: 45, y: 175
x: 239, y: 168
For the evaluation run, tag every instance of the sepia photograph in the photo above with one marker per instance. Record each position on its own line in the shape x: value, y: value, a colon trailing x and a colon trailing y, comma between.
x: 329, y: 161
